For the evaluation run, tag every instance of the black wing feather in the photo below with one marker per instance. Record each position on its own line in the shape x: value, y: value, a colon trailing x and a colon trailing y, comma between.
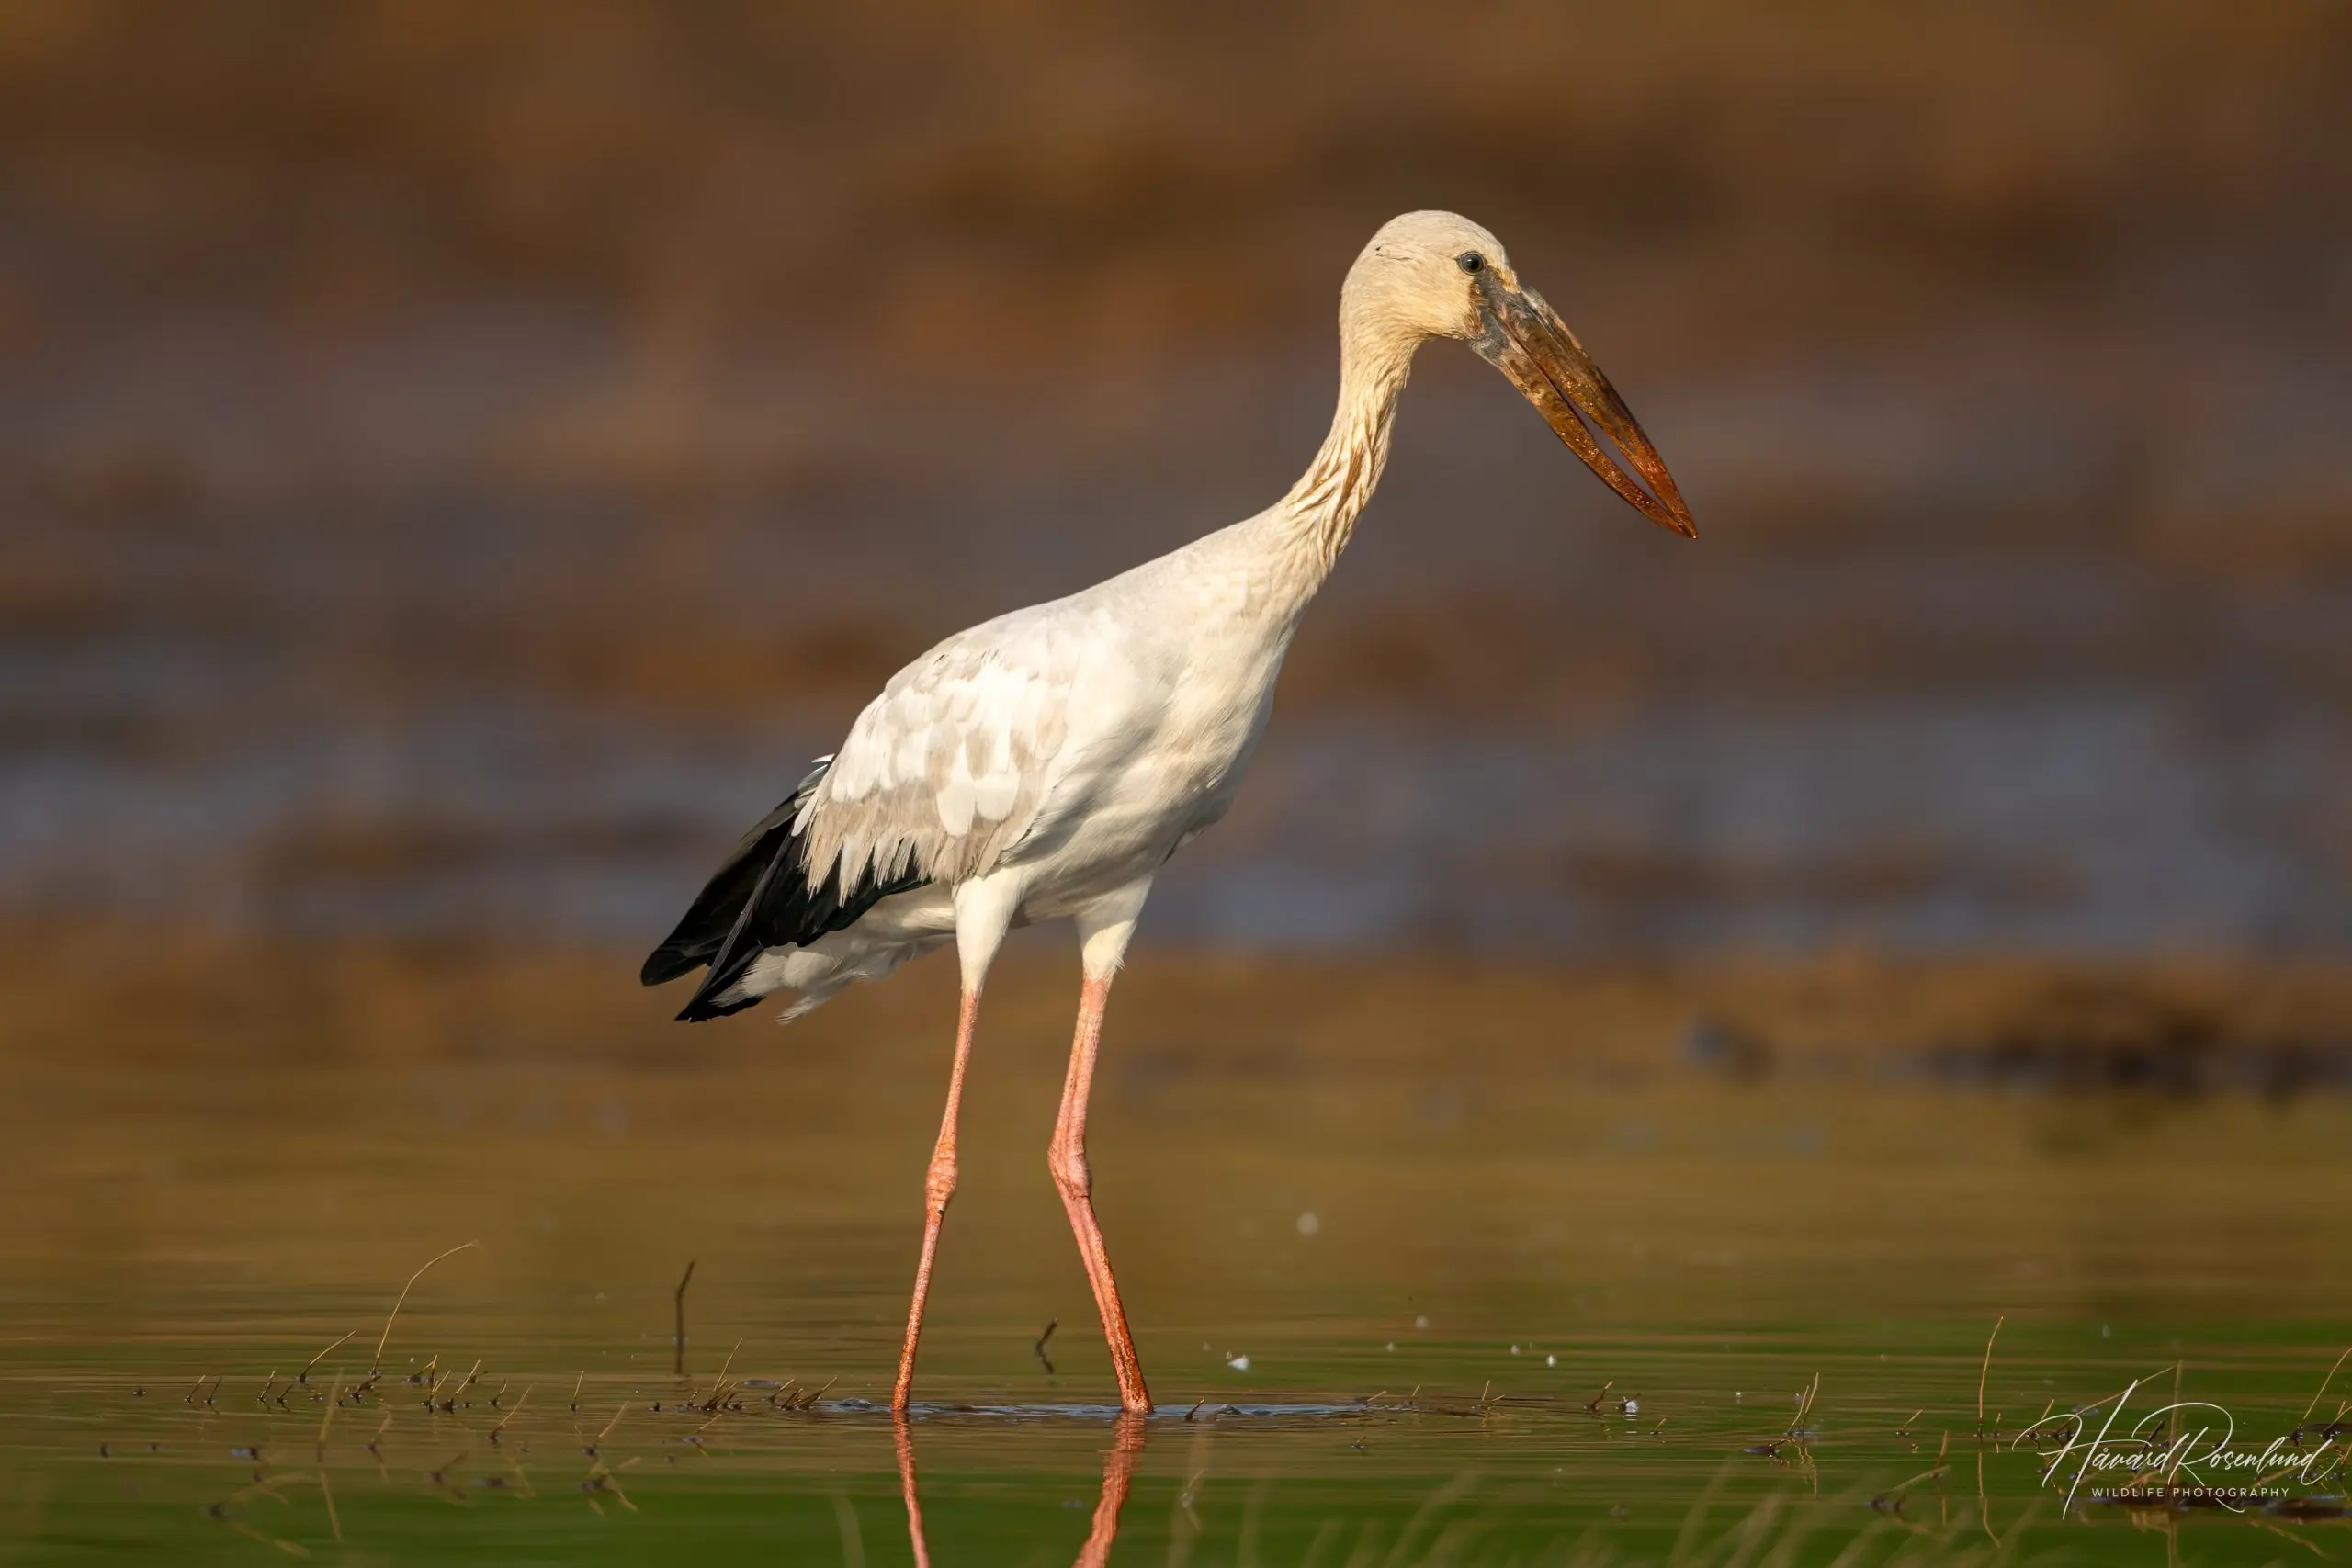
x: 762, y: 898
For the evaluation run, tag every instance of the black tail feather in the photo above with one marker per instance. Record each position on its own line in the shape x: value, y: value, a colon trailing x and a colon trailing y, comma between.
x: 704, y: 929
x: 762, y: 898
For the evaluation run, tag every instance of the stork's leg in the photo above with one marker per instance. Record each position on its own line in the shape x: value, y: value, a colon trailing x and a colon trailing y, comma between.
x: 906, y: 1442
x: 938, y: 1186
x: 1119, y: 1474
x: 1102, y: 935
x: 983, y: 912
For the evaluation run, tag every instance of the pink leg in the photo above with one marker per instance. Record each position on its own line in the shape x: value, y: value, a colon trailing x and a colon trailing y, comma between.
x: 1118, y: 1473
x: 1067, y: 1158
x: 907, y: 1488
x: 939, y: 1186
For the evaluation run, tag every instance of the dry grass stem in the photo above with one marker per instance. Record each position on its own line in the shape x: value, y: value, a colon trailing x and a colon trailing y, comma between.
x: 304, y: 1375
x: 512, y: 1413
x: 384, y: 1337
x: 2321, y: 1390
x: 1986, y: 1371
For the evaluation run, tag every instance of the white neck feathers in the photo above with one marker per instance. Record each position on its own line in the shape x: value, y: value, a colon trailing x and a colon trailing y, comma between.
x: 1322, y: 507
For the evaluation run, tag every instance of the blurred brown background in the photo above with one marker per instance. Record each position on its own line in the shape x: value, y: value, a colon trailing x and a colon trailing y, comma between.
x: 459, y: 460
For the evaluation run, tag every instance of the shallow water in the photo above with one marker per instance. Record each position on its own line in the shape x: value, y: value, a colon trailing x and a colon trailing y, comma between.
x: 1449, y: 1270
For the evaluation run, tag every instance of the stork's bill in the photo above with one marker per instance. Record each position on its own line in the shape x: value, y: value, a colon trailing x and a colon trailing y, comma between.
x: 1524, y: 338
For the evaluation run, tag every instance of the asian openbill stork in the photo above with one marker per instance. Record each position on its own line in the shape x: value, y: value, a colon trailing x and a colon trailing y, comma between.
x: 1047, y: 763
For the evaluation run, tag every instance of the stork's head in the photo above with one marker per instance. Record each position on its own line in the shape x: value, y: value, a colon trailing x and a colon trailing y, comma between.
x: 1438, y: 274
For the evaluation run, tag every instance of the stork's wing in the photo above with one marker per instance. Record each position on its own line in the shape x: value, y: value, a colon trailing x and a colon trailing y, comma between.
x: 762, y: 898
x: 940, y: 776
x: 948, y: 767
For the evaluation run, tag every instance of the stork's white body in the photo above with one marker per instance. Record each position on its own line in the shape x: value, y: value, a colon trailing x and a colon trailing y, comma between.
x: 1133, y: 705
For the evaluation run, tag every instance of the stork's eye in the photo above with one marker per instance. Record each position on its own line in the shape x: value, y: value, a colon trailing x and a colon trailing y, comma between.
x: 1471, y: 261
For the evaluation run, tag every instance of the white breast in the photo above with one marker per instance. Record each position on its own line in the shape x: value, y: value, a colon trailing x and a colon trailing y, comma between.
x: 1161, y: 732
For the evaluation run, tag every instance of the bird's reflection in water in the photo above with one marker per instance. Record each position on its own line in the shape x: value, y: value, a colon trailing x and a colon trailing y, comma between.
x: 1118, y: 1473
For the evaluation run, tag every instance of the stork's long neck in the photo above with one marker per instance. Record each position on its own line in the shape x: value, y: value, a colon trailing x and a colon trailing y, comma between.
x: 1320, y: 513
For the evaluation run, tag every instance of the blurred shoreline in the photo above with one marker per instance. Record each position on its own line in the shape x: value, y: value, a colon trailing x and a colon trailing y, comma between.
x: 2087, y: 826
x: 101, y: 999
